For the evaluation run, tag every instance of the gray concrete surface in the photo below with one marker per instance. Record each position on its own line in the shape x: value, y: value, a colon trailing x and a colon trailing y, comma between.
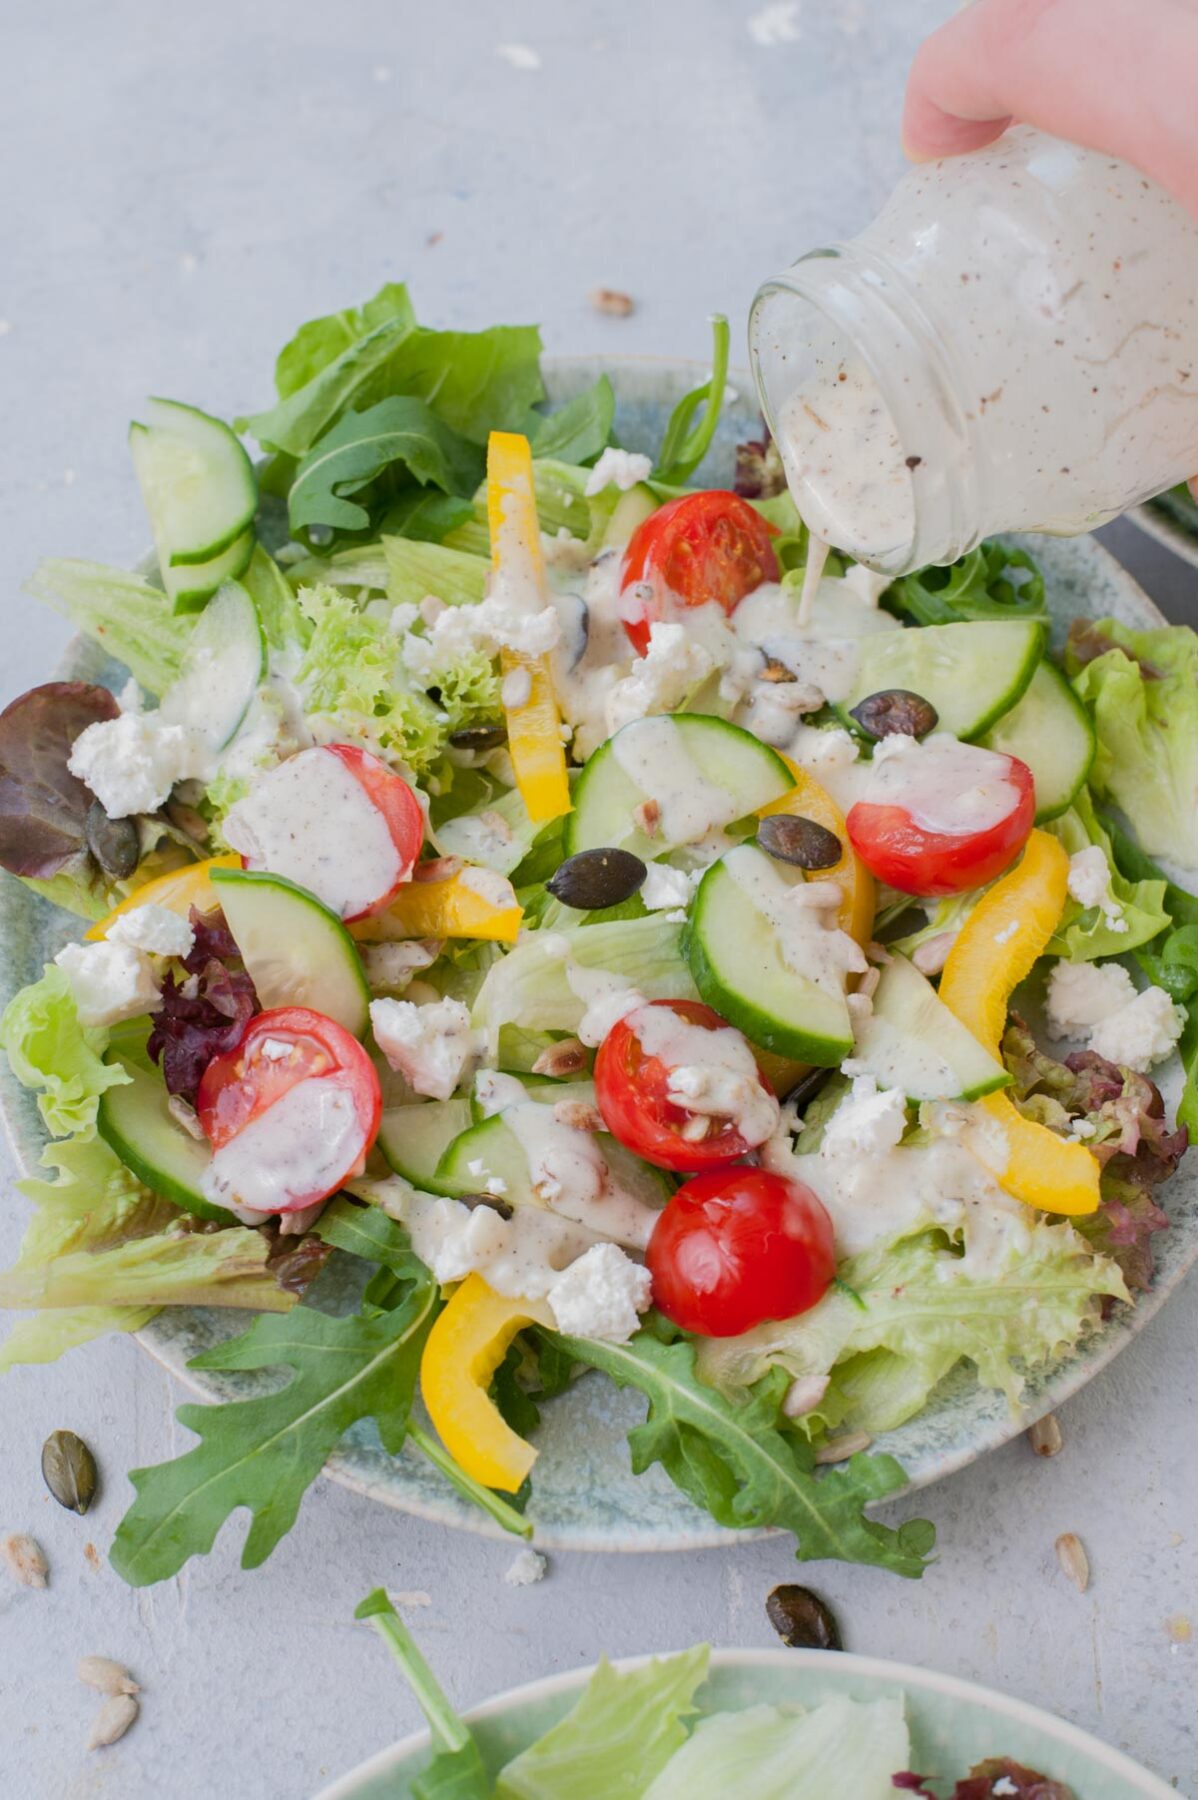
x: 181, y: 186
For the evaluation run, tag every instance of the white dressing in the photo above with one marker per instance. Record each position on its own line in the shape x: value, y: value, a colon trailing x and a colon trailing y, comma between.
x: 712, y: 1073
x: 655, y: 759
x: 302, y: 1145
x: 570, y: 1176
x: 945, y: 786
x: 802, y: 917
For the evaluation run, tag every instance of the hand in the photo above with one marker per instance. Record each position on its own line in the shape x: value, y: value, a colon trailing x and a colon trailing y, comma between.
x: 1116, y: 75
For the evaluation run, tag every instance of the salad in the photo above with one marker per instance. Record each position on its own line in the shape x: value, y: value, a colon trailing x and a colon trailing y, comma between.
x: 641, y: 1734
x: 525, y: 933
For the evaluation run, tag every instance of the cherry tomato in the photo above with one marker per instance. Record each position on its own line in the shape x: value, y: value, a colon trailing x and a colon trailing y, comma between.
x: 398, y: 805
x: 708, y: 546
x: 909, y: 857
x: 630, y: 1091
x: 735, y: 1247
x: 279, y: 1049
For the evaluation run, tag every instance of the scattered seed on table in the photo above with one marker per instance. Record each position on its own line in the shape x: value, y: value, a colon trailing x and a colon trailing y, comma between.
x: 105, y: 1675
x: 1073, y: 1559
x: 1045, y: 1436
x: 611, y: 300
x: 802, y: 1619
x: 112, y: 1721
x: 25, y: 1558
x: 69, y: 1470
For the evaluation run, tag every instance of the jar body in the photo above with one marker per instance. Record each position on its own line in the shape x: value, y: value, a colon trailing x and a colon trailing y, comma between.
x: 1011, y: 345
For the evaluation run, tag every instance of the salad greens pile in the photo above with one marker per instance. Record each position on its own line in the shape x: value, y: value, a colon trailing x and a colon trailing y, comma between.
x: 643, y: 1733
x: 362, y: 574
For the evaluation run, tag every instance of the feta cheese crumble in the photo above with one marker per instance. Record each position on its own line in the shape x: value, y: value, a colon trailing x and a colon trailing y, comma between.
x: 665, y: 888
x: 1082, y: 994
x: 154, y: 928
x: 671, y: 668
x: 868, y: 1122
x: 1135, y: 1031
x: 430, y: 1046
x: 618, y: 468
x: 1090, y: 885
x: 526, y: 1569
x: 110, y: 982
x: 601, y: 1295
x: 131, y: 763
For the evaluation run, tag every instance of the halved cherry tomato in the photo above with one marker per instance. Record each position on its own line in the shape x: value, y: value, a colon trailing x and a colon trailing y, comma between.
x: 909, y: 857
x: 708, y: 546
x: 398, y: 805
x: 735, y: 1247
x: 279, y: 1049
x: 631, y: 1093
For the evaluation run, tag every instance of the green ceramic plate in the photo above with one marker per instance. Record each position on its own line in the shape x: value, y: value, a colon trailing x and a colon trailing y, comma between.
x: 585, y: 1495
x: 953, y: 1724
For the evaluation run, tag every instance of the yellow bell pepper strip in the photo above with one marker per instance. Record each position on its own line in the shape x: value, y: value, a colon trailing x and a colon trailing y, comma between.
x: 1004, y: 934
x: 466, y: 1345
x: 450, y: 908
x: 856, y: 912
x: 178, y: 891
x: 533, y: 721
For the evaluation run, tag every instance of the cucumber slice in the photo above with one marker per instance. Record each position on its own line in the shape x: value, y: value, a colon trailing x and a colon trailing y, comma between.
x: 1049, y: 729
x: 494, y: 1148
x: 415, y: 1138
x: 911, y: 1041
x: 223, y: 666
x: 191, y: 588
x: 196, y: 479
x: 134, y: 1121
x: 721, y: 770
x: 739, y: 968
x: 541, y: 1088
x: 298, y: 953
x: 631, y: 510
x: 972, y: 673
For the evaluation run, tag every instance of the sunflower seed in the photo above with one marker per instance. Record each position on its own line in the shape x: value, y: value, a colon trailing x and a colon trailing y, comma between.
x: 578, y: 1115
x: 647, y: 817
x: 1073, y: 1559
x: 69, y: 1470
x: 566, y: 1057
x: 802, y: 1619
x: 930, y: 956
x: 611, y: 300
x: 105, y: 1675
x: 841, y: 1448
x: 113, y: 1720
x: 1045, y: 1436
x: 26, y: 1559
x: 774, y: 671
x: 187, y: 819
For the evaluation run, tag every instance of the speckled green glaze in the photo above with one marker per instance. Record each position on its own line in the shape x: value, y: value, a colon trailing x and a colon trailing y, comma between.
x: 953, y: 1724
x: 585, y: 1496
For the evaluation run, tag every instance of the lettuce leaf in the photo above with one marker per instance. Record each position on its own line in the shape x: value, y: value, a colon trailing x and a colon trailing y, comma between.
x: 126, y: 616
x: 1085, y: 933
x: 400, y: 435
x: 627, y: 1726
x: 416, y: 568
x: 321, y: 341
x: 279, y: 610
x: 49, y: 1050
x: 179, y: 1266
x: 578, y: 431
x: 44, y: 1337
x: 1142, y: 690
x: 841, y: 1750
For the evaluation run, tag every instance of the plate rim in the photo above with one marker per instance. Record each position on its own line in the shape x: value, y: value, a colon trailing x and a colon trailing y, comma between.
x: 876, y: 1668
x: 1164, y: 531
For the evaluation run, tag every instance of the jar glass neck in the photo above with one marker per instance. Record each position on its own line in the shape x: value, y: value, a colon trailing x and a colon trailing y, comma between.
x: 860, y: 391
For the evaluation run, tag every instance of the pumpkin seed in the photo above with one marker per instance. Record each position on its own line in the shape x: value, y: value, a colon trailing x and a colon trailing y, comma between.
x: 802, y: 1619
x: 597, y: 878
x: 113, y: 1720
x: 790, y: 838
x: 806, y: 1088
x: 69, y: 1470
x: 895, y: 711
x: 493, y: 1202
x: 26, y: 1559
x: 115, y: 843
x: 105, y: 1675
x: 1045, y: 1436
x: 478, y: 737
x: 1073, y: 1559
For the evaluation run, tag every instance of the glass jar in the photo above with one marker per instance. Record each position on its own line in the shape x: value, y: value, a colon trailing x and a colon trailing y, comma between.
x: 1012, y: 345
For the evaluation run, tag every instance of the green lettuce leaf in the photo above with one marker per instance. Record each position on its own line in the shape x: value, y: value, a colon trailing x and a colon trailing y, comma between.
x: 127, y: 617
x: 415, y: 568
x: 1085, y: 933
x: 739, y: 1458
x: 917, y: 1308
x: 273, y: 595
x: 455, y: 1770
x: 685, y: 442
x: 621, y: 1732
x: 175, y: 1267
x: 995, y: 581
x: 319, y: 342
x: 44, y: 1337
x: 1142, y: 690
x: 842, y: 1750
x: 49, y: 1050
x: 264, y: 1453
x: 425, y: 514
x: 578, y: 431
x: 400, y: 435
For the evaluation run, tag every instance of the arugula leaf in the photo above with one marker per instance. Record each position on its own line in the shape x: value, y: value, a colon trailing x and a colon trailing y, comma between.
x: 994, y: 581
x: 579, y: 430
x: 321, y: 341
x: 399, y: 433
x: 264, y: 1453
x: 742, y: 1464
x: 425, y: 515
x: 684, y: 446
x: 456, y: 1771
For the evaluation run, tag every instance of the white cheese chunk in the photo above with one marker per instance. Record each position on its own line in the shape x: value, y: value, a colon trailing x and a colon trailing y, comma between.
x: 672, y: 667
x: 131, y: 763
x: 154, y: 928
x: 868, y: 1122
x: 430, y: 1046
x: 110, y: 982
x: 1142, y: 1033
x: 1080, y: 995
x: 1090, y: 885
x: 618, y: 468
x: 601, y: 1295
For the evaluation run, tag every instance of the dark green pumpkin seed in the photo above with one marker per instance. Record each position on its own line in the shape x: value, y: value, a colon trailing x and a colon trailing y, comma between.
x: 597, y: 878
x: 69, y: 1470
x: 115, y: 843
x: 894, y: 711
x: 791, y: 838
x: 801, y: 1619
x: 478, y: 737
